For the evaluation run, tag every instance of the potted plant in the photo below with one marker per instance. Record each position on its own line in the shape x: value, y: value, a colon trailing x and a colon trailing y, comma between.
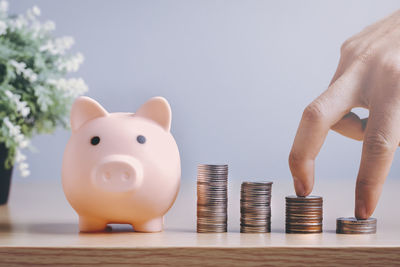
x: 35, y: 95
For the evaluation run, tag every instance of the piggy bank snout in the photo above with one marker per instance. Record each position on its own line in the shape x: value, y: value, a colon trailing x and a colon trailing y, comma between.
x: 118, y: 173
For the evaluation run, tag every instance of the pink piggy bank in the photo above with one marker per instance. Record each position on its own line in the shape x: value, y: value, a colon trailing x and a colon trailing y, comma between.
x: 121, y: 167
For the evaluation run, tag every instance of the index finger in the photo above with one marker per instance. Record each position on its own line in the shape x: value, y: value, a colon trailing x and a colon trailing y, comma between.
x: 317, y: 119
x: 382, y: 136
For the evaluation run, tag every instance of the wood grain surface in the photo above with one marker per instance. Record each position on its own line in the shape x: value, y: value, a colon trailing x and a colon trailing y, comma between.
x: 200, y: 256
x: 38, y: 227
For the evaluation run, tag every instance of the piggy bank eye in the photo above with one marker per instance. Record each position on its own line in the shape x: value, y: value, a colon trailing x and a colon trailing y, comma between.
x: 141, y: 139
x: 95, y: 140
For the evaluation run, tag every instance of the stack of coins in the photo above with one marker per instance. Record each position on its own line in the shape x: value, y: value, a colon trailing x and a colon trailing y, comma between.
x: 255, y: 207
x: 212, y: 198
x: 303, y: 214
x: 353, y: 226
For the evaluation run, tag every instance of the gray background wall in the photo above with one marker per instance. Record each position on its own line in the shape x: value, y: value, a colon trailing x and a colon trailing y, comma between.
x: 237, y: 74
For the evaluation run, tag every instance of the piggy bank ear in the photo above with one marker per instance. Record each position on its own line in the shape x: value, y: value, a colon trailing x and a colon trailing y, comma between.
x: 85, y: 109
x: 158, y: 110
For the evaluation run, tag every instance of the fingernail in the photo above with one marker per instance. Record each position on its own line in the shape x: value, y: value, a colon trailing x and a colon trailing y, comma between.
x: 299, y: 187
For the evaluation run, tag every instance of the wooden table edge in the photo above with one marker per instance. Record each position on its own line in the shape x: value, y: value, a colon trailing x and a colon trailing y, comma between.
x: 204, y: 256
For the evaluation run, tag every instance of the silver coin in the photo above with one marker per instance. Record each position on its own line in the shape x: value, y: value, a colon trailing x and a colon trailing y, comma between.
x: 352, y: 220
x: 307, y: 198
x: 355, y: 232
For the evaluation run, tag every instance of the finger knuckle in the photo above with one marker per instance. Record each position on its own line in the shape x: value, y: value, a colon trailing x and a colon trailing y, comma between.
x: 348, y: 47
x: 366, y: 182
x: 314, y: 112
x: 376, y: 145
x: 295, y: 160
x: 391, y: 65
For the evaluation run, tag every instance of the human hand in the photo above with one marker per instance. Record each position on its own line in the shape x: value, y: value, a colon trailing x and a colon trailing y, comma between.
x: 368, y: 76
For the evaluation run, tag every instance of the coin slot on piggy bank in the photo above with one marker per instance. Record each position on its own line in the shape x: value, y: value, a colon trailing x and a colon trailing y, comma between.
x: 121, y: 168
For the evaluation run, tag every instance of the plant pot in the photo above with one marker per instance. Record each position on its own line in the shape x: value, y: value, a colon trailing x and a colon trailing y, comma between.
x: 5, y: 175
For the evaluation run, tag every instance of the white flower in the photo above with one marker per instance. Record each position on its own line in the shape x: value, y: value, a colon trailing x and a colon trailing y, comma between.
x: 19, y: 157
x: 30, y: 75
x: 64, y: 43
x: 59, y: 46
x: 23, y: 168
x: 32, y: 13
x: 8, y: 94
x: 40, y: 29
x: 3, y: 6
x: 25, y: 173
x: 36, y: 28
x: 47, y: 47
x: 72, y: 64
x: 22, y: 106
x: 15, y: 133
x: 71, y: 87
x: 24, y: 143
x: 18, y: 23
x: 48, y: 26
x: 36, y: 10
x: 20, y: 68
x: 22, y: 165
x: 13, y: 130
x: 43, y: 98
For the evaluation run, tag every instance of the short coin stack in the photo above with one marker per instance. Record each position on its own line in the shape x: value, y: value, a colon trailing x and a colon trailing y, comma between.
x: 353, y: 226
x: 255, y: 207
x: 212, y: 198
x: 303, y: 214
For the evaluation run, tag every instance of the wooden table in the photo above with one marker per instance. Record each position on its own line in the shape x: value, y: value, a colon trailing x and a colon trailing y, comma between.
x: 39, y: 227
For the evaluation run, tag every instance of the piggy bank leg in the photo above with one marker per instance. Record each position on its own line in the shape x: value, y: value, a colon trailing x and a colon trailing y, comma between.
x: 88, y: 224
x: 154, y: 225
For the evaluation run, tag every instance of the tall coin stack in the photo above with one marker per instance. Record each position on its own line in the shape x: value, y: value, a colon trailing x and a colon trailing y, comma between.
x: 212, y: 198
x: 255, y: 207
x: 303, y: 214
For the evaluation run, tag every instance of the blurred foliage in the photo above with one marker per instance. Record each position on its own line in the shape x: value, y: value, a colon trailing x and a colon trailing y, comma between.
x: 35, y: 95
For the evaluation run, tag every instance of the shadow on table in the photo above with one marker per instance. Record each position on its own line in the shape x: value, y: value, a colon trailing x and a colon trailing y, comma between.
x: 5, y: 221
x: 5, y: 227
x: 53, y: 228
x: 71, y: 228
x: 39, y: 228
